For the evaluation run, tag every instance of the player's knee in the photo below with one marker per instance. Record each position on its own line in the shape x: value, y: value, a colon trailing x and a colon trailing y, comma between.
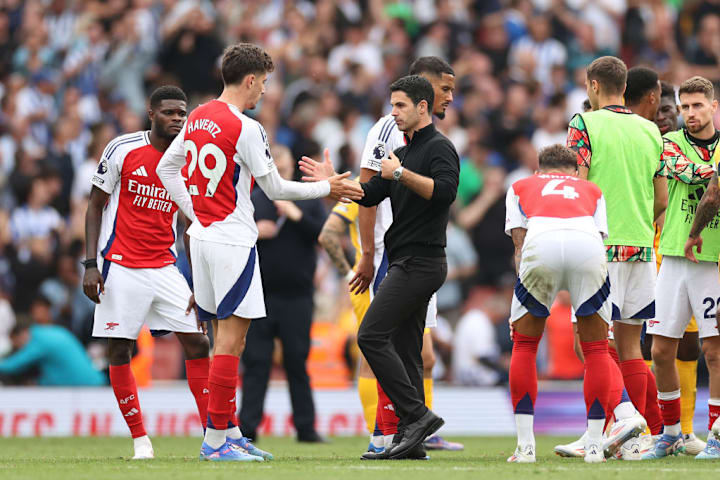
x: 711, y: 351
x: 119, y: 351
x: 196, y: 345
x: 662, y: 354
x: 688, y: 352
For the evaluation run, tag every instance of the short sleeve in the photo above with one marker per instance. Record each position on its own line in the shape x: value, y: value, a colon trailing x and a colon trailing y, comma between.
x: 514, y: 217
x: 600, y: 217
x: 107, y: 175
x: 346, y: 211
x: 253, y: 149
x: 376, y: 145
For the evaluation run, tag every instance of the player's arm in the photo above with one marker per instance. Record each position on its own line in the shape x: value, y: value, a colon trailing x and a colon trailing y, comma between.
x: 515, y: 225
x: 518, y: 238
x: 168, y: 170
x: 706, y: 211
x: 93, y: 283
x: 578, y: 140
x: 675, y: 165
x: 254, y: 150
x: 365, y: 269
x: 330, y: 239
x: 441, y: 186
x: 661, y: 197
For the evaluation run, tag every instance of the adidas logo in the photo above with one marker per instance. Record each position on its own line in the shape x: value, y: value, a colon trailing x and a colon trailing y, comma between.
x: 141, y: 172
x: 132, y: 412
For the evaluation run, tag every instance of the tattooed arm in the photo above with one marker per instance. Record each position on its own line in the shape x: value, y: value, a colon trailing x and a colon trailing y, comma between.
x: 706, y: 211
x: 331, y: 240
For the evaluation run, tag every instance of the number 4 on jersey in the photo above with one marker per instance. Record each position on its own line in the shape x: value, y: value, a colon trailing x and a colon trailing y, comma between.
x: 567, y: 191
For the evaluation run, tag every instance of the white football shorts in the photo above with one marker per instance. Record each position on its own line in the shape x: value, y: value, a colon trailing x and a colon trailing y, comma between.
x: 381, y: 269
x: 556, y: 260
x: 227, y: 281
x: 684, y: 289
x: 156, y: 297
x: 632, y: 291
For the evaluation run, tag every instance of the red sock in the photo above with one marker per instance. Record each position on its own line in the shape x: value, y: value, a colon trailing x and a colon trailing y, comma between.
x: 197, y: 371
x: 652, y: 409
x: 670, y: 411
x: 222, y: 383
x: 523, y: 373
x: 123, y: 384
x: 616, y: 386
x: 388, y: 420
x: 714, y: 413
x: 635, y: 377
x: 597, y: 382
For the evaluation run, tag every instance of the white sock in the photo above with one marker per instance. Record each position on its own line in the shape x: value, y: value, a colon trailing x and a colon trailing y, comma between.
x: 214, y: 438
x: 676, y: 429
x: 624, y: 410
x: 377, y: 440
x: 595, y: 431
x: 524, y: 427
x: 388, y: 440
x: 141, y: 441
x: 233, y: 433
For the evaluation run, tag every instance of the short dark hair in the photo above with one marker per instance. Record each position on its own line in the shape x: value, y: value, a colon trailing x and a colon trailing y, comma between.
x: 698, y: 84
x: 434, y: 65
x: 243, y: 59
x: 166, y: 92
x: 416, y: 87
x: 557, y: 156
x: 667, y: 90
x: 586, y: 105
x: 640, y: 82
x: 609, y: 72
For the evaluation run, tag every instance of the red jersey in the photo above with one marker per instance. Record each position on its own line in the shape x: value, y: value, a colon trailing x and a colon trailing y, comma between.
x: 555, y: 201
x: 138, y: 222
x: 224, y: 150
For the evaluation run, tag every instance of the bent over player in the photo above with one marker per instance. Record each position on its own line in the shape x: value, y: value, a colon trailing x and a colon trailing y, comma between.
x: 557, y: 223
x: 225, y: 151
x: 130, y: 267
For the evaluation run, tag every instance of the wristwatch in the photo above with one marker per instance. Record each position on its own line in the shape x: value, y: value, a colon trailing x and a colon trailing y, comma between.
x: 397, y: 173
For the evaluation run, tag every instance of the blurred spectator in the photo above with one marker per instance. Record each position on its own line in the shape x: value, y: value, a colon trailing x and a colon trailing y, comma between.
x: 704, y: 53
x: 461, y: 265
x: 55, y: 352
x: 539, y: 48
x: 476, y: 351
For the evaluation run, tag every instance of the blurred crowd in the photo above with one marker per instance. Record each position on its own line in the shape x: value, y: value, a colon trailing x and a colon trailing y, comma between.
x: 76, y: 73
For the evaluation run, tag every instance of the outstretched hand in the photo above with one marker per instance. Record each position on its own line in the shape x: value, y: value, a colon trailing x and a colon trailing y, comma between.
x: 341, y: 188
x: 317, y: 171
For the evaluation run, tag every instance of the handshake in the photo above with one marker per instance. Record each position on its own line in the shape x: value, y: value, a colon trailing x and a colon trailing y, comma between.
x: 341, y: 188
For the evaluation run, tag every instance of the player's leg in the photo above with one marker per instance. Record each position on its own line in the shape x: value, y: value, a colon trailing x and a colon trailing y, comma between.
x: 672, y: 316
x: 687, y: 361
x: 708, y: 330
x: 711, y: 350
x: 119, y: 317
x: 228, y: 285
x: 367, y: 385
x: 168, y: 313
x: 527, y: 332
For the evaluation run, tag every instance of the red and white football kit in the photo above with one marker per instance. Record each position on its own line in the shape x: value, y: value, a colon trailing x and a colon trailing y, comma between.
x: 221, y: 152
x: 136, y: 247
x: 563, y: 249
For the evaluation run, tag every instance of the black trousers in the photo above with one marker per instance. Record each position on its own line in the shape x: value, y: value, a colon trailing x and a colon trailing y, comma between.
x: 390, y: 335
x: 288, y: 318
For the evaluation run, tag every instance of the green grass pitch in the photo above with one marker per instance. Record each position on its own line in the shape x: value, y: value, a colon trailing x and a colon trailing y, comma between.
x: 176, y: 459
